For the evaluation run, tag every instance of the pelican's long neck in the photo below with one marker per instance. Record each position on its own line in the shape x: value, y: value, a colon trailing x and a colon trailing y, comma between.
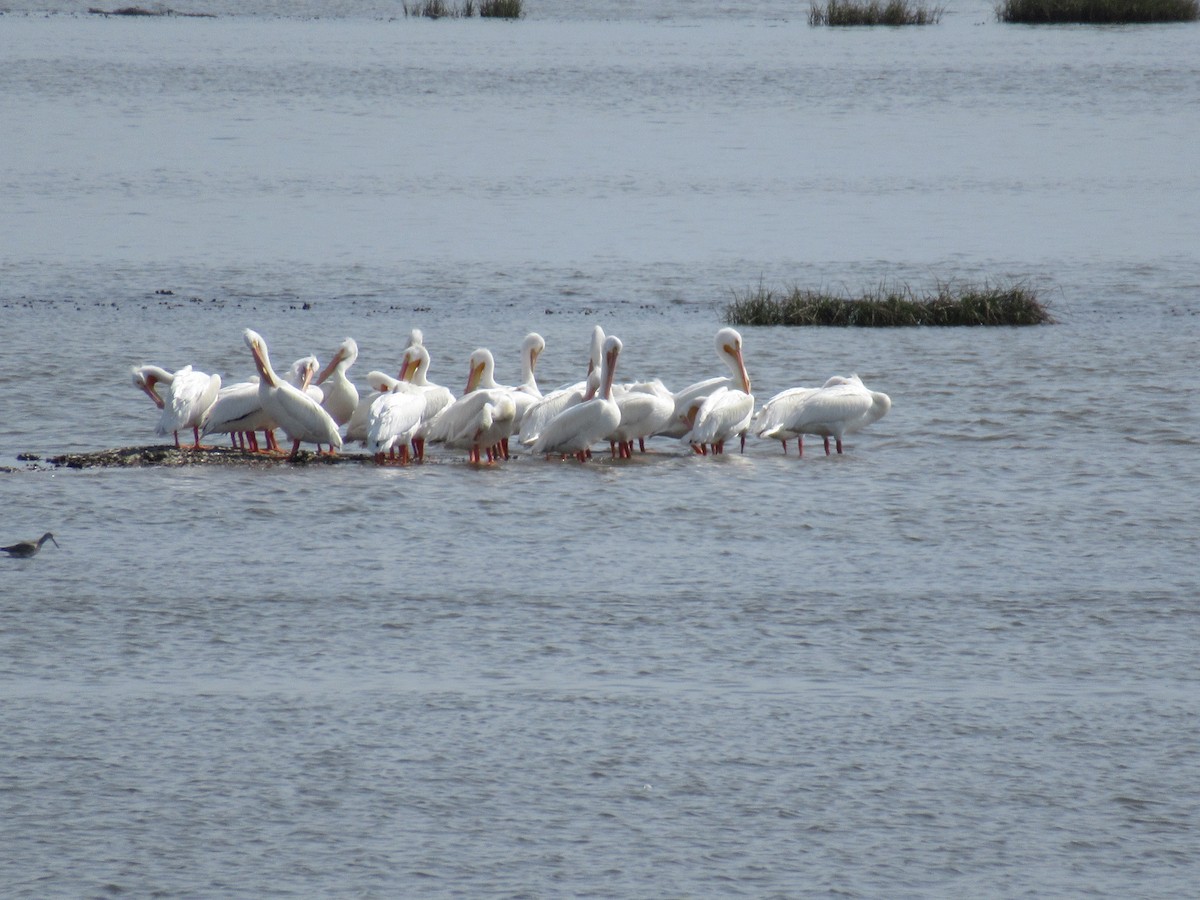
x: 529, y: 357
x: 155, y: 374
x: 731, y: 353
x: 262, y: 362
x: 597, y: 349
x: 417, y: 365
x: 337, y: 365
x: 608, y: 372
x: 149, y: 377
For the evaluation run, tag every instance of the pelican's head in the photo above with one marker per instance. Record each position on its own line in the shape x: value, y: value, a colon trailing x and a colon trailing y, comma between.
x: 302, y: 371
x: 597, y: 349
x: 612, y: 349
x: 532, y: 347
x: 482, y: 365
x: 262, y: 361
x: 344, y: 357
x: 414, y: 361
x: 729, y: 349
x: 146, y: 378
x: 380, y: 381
x: 415, y: 338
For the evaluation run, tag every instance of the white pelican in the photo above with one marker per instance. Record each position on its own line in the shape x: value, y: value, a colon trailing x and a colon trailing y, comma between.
x: 769, y: 419
x: 301, y: 375
x: 238, y: 411
x: 26, y: 549
x: 718, y: 417
x: 842, y: 406
x: 481, y: 388
x: 531, y: 349
x: 728, y: 344
x: 524, y: 395
x: 414, y: 367
x: 575, y: 429
x: 482, y: 432
x: 341, y: 396
x: 380, y: 383
x: 458, y: 423
x: 301, y: 417
x: 646, y: 408
x: 190, y: 394
x: 392, y: 422
x: 536, y: 417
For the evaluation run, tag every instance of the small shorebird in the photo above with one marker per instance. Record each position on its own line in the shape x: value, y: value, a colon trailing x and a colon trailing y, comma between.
x: 26, y: 549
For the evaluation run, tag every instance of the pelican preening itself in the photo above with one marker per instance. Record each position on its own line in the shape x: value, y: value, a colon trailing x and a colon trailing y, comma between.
x: 728, y: 344
x: 483, y: 418
x: 190, y: 394
x: 396, y: 414
x: 723, y: 414
x: 843, y: 405
x: 646, y: 409
x: 26, y: 549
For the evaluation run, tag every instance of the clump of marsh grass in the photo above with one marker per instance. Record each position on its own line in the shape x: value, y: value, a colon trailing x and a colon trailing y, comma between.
x: 501, y: 9
x: 1096, y: 12
x: 439, y: 9
x: 893, y: 307
x: 874, y: 12
x: 487, y: 9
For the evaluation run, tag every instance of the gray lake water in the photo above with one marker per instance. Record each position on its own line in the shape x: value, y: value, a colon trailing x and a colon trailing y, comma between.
x: 958, y: 660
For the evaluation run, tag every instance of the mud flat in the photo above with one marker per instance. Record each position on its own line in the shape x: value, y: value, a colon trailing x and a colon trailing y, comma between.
x: 167, y: 455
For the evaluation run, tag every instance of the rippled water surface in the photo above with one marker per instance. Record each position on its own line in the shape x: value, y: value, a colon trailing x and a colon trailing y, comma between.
x: 958, y: 660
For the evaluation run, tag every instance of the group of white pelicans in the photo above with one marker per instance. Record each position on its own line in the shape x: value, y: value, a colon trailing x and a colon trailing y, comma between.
x: 313, y: 405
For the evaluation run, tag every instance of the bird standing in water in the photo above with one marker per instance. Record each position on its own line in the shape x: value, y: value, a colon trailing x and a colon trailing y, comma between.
x: 25, y: 549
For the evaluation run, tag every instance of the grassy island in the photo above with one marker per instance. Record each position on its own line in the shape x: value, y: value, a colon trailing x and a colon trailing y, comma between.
x: 486, y: 9
x: 890, y: 307
x: 1096, y: 12
x: 874, y: 12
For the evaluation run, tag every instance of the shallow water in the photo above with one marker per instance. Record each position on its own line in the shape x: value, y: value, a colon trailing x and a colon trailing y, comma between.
x: 957, y: 660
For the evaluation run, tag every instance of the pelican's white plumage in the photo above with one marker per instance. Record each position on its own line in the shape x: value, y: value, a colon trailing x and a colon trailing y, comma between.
x: 769, y: 421
x: 301, y: 375
x: 414, y: 367
x: 301, y: 417
x: 392, y: 422
x: 646, y: 409
x: 461, y: 424
x: 728, y: 344
x: 341, y: 396
x: 238, y: 411
x: 721, y: 415
x: 380, y: 383
x: 190, y: 395
x: 550, y: 405
x: 842, y: 406
x: 531, y: 348
x: 492, y: 423
x: 578, y: 427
